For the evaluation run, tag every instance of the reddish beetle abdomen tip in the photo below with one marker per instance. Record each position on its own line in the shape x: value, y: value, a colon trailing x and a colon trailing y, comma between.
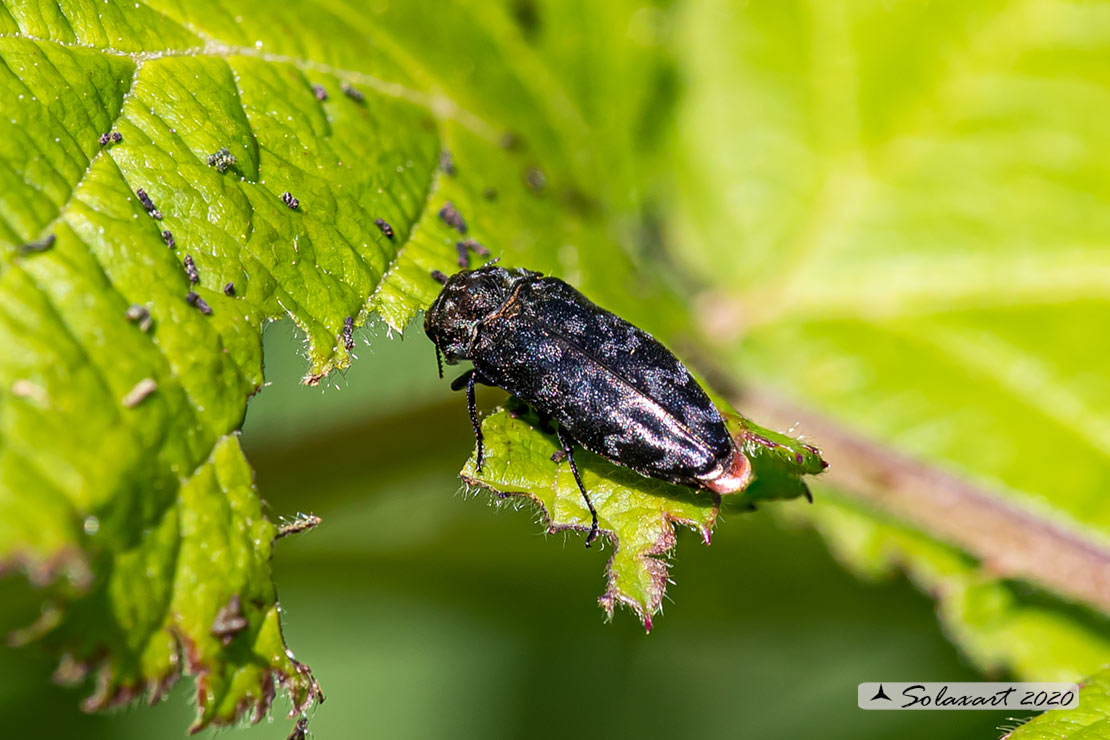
x: 734, y: 479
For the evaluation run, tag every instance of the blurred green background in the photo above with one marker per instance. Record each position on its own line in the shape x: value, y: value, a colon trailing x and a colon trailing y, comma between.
x: 425, y: 613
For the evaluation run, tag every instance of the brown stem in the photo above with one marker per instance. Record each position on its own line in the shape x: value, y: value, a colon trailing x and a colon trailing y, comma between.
x: 1011, y: 541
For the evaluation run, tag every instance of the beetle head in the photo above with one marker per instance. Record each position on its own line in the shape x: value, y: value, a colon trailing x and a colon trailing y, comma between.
x: 468, y: 298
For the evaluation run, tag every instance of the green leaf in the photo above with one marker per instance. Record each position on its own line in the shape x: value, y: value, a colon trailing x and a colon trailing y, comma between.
x: 115, y: 465
x: 1089, y: 721
x: 636, y: 514
x: 122, y: 490
x: 902, y: 227
x: 192, y: 593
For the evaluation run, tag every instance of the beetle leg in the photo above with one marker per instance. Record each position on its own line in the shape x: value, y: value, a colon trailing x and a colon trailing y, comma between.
x: 568, y: 448
x: 470, y: 378
x: 439, y: 362
x: 439, y: 277
x: 474, y: 417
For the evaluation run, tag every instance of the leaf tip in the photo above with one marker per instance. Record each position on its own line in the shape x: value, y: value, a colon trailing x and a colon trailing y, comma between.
x: 296, y: 525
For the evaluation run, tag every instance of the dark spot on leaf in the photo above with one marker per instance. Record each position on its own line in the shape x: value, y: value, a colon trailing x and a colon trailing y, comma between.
x: 167, y: 237
x: 320, y: 92
x: 490, y: 194
x: 148, y: 204
x: 511, y: 141
x: 451, y: 216
x: 229, y: 621
x: 581, y: 202
x: 194, y: 299
x: 535, y: 180
x: 191, y: 269
x: 117, y: 137
x: 477, y: 247
x: 352, y: 93
x: 105, y: 138
x: 527, y: 18
x: 464, y: 248
x: 41, y: 245
x: 447, y: 164
x: 229, y: 289
x: 222, y: 160
x: 386, y: 228
x: 139, y: 315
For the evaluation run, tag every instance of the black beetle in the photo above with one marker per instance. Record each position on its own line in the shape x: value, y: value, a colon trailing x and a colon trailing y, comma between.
x: 612, y: 388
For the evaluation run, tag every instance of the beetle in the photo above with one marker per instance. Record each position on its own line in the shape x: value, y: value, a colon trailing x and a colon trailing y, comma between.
x: 611, y: 387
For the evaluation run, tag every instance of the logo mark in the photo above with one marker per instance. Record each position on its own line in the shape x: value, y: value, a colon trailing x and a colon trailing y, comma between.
x: 880, y: 694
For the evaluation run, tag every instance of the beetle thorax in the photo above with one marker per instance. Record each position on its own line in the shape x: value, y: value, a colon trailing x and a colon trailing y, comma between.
x: 469, y: 298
